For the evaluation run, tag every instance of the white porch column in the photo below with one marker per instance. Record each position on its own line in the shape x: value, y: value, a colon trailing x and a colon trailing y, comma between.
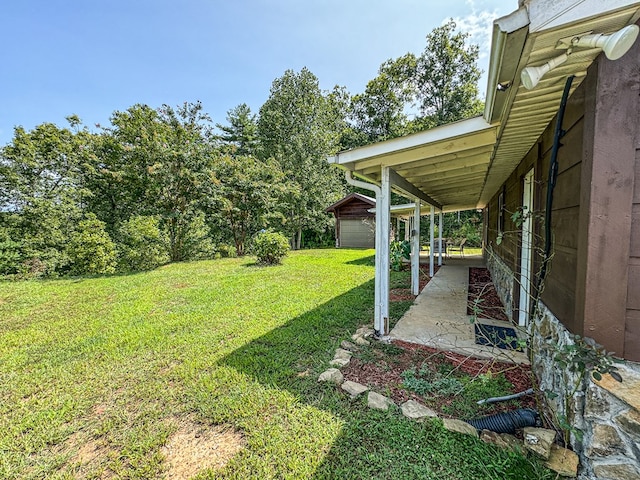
x: 415, y: 250
x: 383, y: 220
x: 432, y: 245
x: 440, y: 237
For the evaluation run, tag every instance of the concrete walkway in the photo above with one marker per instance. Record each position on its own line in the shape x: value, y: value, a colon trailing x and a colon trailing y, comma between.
x: 439, y: 319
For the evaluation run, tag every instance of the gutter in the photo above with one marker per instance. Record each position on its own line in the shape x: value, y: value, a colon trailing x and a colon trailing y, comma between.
x: 501, y: 50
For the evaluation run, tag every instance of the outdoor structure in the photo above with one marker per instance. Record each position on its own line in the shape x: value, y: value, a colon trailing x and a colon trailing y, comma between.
x: 580, y: 176
x: 355, y: 224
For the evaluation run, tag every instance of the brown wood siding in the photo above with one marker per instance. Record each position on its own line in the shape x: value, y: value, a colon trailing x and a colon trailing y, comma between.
x: 608, y: 271
x: 632, y: 316
x: 354, y: 209
x: 559, y: 292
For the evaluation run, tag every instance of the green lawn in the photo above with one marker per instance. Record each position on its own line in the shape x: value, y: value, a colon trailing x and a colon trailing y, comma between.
x: 118, y: 363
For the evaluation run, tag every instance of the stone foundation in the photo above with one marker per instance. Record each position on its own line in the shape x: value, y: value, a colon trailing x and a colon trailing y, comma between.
x: 606, y: 412
x: 503, y: 279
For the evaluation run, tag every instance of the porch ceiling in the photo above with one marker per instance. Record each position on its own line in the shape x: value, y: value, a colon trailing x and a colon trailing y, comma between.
x: 461, y: 165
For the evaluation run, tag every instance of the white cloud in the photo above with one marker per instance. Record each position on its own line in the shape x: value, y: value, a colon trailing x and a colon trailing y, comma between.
x: 479, y: 25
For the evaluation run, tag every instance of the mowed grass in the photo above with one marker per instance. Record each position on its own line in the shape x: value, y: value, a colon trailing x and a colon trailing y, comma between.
x: 116, y: 363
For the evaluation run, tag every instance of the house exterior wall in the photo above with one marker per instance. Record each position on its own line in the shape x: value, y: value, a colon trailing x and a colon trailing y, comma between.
x: 559, y: 293
x: 593, y: 286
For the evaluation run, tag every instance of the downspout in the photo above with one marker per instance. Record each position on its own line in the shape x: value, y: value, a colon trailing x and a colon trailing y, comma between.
x: 378, y: 322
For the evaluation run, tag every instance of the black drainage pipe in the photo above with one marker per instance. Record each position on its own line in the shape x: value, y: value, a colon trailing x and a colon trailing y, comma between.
x: 507, y: 422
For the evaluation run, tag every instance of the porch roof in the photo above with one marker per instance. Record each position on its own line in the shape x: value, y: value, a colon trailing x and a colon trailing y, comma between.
x: 461, y: 165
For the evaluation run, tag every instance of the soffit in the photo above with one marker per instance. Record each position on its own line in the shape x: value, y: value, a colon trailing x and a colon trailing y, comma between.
x: 463, y: 164
x: 448, y: 163
x: 530, y: 111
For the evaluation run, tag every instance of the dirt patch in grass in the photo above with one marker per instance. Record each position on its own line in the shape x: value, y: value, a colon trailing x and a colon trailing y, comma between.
x: 88, y: 456
x: 483, y: 296
x: 380, y: 367
x: 195, y: 447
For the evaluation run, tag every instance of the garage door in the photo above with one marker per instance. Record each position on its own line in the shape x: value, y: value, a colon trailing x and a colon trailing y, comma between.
x: 357, y: 233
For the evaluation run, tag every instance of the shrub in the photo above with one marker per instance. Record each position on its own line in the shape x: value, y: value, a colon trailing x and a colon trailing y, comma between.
x: 142, y: 245
x: 227, y: 251
x: 398, y: 251
x: 270, y: 247
x: 91, y: 249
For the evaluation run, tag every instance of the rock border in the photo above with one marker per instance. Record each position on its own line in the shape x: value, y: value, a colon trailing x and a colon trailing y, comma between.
x: 536, y: 440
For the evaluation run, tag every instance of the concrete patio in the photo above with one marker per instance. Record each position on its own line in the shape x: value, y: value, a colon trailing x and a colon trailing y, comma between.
x: 439, y: 319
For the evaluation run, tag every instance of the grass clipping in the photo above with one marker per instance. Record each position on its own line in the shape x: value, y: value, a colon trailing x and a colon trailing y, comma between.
x: 193, y: 448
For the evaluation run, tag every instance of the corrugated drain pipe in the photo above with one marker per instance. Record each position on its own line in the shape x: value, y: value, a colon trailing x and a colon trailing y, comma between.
x: 507, y: 422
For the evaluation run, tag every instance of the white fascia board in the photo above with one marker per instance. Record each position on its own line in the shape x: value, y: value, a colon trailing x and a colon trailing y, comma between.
x: 549, y: 14
x: 502, y: 27
x: 443, y: 132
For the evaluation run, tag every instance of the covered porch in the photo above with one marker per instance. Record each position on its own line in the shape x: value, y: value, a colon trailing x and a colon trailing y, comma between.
x: 465, y: 164
x: 439, y: 319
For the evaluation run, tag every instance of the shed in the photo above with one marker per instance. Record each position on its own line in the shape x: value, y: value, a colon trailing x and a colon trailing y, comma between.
x: 355, y: 224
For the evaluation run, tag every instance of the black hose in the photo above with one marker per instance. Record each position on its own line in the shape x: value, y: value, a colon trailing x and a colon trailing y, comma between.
x: 507, y: 422
x: 551, y: 183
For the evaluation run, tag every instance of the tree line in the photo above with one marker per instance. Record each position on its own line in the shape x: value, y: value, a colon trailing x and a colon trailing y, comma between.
x: 168, y: 184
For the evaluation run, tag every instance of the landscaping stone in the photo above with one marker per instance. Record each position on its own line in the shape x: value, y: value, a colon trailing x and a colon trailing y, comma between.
x: 459, y: 426
x: 365, y: 331
x: 502, y: 440
x: 620, y: 471
x: 341, y: 358
x: 563, y: 461
x: 362, y: 341
x: 338, y: 363
x: 347, y: 345
x: 379, y: 402
x: 606, y: 441
x: 332, y: 375
x: 354, y: 389
x: 539, y: 441
x: 415, y: 410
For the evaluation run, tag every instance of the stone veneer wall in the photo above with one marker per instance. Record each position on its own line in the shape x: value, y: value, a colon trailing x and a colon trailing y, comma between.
x: 503, y: 279
x: 606, y: 412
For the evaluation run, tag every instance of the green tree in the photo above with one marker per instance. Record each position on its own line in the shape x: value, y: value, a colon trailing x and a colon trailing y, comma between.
x: 379, y: 113
x: 436, y: 87
x: 298, y: 127
x: 247, y: 196
x: 42, y: 194
x: 443, y: 80
x: 241, y: 133
x: 141, y: 244
x: 91, y: 249
x: 163, y: 163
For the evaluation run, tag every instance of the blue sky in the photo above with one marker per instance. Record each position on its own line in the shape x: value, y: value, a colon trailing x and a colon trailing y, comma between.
x: 93, y: 57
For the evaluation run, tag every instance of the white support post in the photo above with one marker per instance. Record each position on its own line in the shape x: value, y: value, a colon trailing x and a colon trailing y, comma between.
x: 432, y: 245
x: 415, y: 250
x: 383, y: 217
x: 440, y: 237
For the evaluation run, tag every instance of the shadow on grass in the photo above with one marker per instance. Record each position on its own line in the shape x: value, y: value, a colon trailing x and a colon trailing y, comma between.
x: 367, y: 261
x: 371, y: 444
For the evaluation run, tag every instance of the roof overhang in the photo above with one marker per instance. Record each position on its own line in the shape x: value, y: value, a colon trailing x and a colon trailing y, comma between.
x: 443, y: 162
x: 461, y: 165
